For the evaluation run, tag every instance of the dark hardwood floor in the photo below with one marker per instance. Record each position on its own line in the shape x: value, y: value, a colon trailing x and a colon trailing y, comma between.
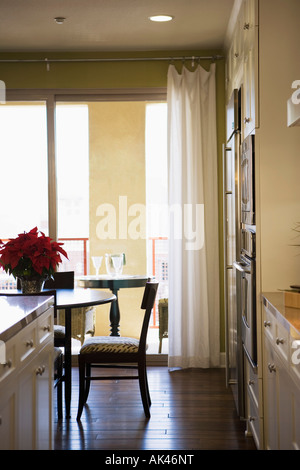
x: 191, y: 410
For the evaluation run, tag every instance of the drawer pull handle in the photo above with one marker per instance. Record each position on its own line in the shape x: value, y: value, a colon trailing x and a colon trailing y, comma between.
x: 29, y: 343
x: 8, y: 364
x: 246, y: 26
x: 251, y: 382
x: 267, y: 323
x: 251, y: 418
x: 46, y: 328
x: 40, y: 370
x: 247, y: 120
x: 279, y: 340
x: 271, y: 368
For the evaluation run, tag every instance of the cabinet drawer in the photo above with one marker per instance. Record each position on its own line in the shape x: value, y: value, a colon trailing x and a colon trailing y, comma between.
x: 9, y: 366
x: 254, y: 421
x: 282, y: 341
x: 45, y: 326
x: 27, y: 342
x: 269, y: 324
x: 252, y: 383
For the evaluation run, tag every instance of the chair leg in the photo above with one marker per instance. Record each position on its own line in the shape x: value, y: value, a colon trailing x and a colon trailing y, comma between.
x: 147, y: 387
x: 58, y: 385
x: 59, y: 400
x: 81, y: 388
x: 87, y: 382
x: 144, y: 389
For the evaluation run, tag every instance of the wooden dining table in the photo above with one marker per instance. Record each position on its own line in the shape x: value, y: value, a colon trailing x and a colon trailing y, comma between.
x: 69, y: 299
x: 114, y: 283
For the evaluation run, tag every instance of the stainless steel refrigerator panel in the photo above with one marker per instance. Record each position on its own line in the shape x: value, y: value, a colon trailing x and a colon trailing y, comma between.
x: 248, y: 181
x: 232, y: 249
x: 237, y: 193
x: 239, y: 393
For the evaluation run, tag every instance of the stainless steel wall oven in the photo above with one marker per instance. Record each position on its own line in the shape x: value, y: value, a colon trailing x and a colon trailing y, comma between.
x: 246, y: 306
x: 247, y: 170
x: 245, y: 266
x: 246, y: 269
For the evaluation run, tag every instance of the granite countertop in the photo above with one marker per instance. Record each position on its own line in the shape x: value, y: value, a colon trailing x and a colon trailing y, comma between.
x: 288, y: 316
x: 17, y: 312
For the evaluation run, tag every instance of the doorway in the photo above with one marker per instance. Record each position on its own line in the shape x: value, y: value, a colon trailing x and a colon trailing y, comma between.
x: 117, y: 151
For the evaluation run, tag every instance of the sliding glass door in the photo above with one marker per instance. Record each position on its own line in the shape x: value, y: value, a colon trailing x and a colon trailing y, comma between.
x: 72, y: 177
x: 24, y: 168
x: 86, y: 170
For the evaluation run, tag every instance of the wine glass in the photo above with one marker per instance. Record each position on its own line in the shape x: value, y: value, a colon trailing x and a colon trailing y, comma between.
x: 114, y: 264
x: 117, y: 261
x: 97, y: 260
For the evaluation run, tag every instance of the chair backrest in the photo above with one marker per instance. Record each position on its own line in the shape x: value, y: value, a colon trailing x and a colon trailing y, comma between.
x: 147, y: 305
x: 62, y: 280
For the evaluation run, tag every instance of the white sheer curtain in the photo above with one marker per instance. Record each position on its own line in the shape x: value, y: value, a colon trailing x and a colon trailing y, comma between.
x: 194, y: 314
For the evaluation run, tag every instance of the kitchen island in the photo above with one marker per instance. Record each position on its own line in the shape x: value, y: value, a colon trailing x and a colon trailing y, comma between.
x: 281, y: 373
x: 26, y: 372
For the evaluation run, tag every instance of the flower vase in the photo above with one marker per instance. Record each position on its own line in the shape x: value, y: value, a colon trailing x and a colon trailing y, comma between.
x: 31, y: 286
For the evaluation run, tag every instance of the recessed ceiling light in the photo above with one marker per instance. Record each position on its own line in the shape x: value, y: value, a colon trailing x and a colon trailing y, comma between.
x: 59, y: 20
x: 161, y: 18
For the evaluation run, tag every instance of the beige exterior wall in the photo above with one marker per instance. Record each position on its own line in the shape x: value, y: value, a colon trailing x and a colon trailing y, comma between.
x: 117, y: 169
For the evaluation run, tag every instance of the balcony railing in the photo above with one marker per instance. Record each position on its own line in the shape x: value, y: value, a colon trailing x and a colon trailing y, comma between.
x: 78, y: 254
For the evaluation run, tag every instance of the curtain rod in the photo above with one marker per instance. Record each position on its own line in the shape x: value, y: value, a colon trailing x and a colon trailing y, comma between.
x: 127, y: 59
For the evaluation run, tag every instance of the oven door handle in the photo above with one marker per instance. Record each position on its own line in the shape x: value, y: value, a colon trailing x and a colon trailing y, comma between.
x: 242, y: 267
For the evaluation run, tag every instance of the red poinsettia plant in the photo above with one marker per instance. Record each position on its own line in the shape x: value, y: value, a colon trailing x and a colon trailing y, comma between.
x: 31, y: 255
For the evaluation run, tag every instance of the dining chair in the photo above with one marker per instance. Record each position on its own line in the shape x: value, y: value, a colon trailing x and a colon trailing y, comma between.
x: 82, y: 318
x: 57, y: 353
x: 61, y: 280
x: 118, y: 352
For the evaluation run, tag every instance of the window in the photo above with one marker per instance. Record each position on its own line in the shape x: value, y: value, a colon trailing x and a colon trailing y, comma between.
x: 72, y: 169
x: 23, y: 150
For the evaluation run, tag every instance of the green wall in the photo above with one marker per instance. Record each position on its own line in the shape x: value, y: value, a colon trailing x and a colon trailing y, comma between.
x: 110, y: 75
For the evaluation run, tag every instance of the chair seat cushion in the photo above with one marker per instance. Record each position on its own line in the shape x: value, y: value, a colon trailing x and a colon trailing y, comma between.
x: 59, y: 331
x: 110, y: 344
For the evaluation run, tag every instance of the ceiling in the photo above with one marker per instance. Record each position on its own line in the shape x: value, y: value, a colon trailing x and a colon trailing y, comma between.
x: 112, y: 25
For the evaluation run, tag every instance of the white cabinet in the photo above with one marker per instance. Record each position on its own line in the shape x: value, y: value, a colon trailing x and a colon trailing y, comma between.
x: 250, y: 114
x: 34, y: 402
x: 249, y: 93
x: 253, y: 391
x: 249, y: 12
x: 26, y: 383
x: 242, y: 64
x: 281, y: 388
x: 8, y: 426
x: 278, y: 410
